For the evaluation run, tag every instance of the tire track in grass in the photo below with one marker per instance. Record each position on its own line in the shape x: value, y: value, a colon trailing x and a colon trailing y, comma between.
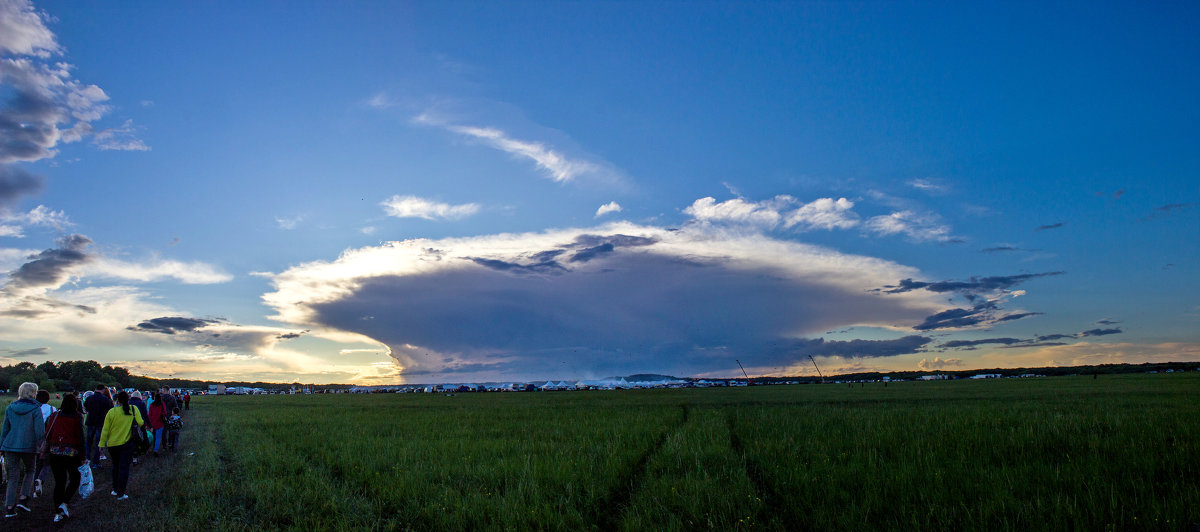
x: 773, y: 511
x: 609, y: 512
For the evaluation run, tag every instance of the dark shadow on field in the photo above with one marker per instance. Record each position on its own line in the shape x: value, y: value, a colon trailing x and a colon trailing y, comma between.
x: 609, y: 512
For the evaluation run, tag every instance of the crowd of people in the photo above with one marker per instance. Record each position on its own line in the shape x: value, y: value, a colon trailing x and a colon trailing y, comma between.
x: 81, y: 434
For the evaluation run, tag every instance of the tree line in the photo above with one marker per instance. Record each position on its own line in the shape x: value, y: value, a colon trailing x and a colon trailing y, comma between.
x: 78, y: 375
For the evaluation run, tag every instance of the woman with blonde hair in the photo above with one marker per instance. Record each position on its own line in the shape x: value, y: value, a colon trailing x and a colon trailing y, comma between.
x: 23, y: 431
x: 115, y: 436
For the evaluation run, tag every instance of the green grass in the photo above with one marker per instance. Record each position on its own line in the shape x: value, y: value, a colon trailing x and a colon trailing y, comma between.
x: 1068, y: 453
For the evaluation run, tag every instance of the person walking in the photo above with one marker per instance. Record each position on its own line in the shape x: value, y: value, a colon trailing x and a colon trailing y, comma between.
x: 119, y: 424
x: 187, y: 401
x: 174, y: 425
x: 23, y: 431
x: 135, y: 399
x: 39, y: 462
x: 66, y: 445
x: 164, y: 394
x: 158, y: 420
x: 97, y: 406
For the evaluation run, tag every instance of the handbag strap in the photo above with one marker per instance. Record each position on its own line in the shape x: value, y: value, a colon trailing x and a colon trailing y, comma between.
x: 46, y: 436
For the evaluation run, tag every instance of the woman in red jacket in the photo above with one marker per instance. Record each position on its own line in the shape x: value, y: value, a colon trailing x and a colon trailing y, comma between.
x: 64, y: 438
x: 158, y: 420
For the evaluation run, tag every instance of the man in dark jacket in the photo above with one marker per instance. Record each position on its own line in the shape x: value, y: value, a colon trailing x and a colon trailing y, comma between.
x: 168, y: 400
x: 97, y: 407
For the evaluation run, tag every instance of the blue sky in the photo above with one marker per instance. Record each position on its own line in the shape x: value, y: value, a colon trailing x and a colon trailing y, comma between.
x: 447, y: 191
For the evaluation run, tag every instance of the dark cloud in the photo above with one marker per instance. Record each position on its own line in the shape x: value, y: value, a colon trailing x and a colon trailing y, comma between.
x: 1100, y: 332
x: 1168, y: 210
x: 861, y: 348
x: 505, y: 266
x: 1049, y: 337
x: 52, y: 267
x: 1017, y: 316
x: 689, y: 307
x: 37, y: 307
x: 26, y: 353
x: 1051, y: 226
x: 1038, y: 344
x: 1107, y: 321
x: 16, y: 182
x: 172, y: 325
x: 957, y: 317
x: 290, y: 336
x: 971, y: 288
x: 972, y: 343
x: 1000, y: 249
x: 585, y: 255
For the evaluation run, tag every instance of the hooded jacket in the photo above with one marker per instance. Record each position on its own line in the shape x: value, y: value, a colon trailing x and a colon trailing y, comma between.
x: 24, y: 427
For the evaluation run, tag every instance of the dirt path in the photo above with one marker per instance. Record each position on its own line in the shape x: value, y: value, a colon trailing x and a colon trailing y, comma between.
x: 146, y: 506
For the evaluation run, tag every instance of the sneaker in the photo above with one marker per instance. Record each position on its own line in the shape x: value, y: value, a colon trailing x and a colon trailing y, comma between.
x: 123, y: 497
x: 22, y: 505
x: 58, y: 517
x: 113, y: 493
x: 62, y: 508
x: 10, y: 512
x: 37, y: 488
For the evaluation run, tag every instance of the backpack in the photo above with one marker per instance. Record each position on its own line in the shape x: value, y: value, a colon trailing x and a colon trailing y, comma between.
x: 174, y: 423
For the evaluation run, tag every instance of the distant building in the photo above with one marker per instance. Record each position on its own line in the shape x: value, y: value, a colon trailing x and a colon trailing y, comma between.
x: 986, y: 376
x: 216, y: 389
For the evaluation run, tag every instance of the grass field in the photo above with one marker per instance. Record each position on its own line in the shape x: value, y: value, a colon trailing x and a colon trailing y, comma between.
x: 1067, y: 453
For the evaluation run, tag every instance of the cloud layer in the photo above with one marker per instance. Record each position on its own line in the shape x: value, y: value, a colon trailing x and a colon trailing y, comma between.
x: 596, y: 301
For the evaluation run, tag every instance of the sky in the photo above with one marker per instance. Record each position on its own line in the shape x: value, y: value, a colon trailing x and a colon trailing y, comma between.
x: 419, y: 192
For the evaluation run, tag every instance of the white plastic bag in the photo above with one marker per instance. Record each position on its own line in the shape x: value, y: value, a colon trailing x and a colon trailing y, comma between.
x: 86, y: 487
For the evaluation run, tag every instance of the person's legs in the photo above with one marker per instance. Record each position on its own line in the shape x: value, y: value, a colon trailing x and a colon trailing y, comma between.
x: 93, y: 444
x: 27, y: 460
x: 58, y: 468
x: 172, y: 439
x: 122, y: 457
x: 114, y: 454
x: 73, y: 477
x: 158, y: 436
x: 12, y: 468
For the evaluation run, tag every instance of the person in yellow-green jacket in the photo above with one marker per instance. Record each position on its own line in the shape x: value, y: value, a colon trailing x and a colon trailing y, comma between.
x: 115, y: 436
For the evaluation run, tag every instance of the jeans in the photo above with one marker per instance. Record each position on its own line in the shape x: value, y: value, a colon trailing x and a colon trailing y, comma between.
x: 66, y: 477
x: 172, y: 438
x: 14, y: 463
x: 122, y: 457
x: 93, y: 442
x: 158, y: 438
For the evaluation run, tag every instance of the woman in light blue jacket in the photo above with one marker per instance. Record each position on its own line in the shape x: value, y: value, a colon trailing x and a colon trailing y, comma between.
x: 23, y: 430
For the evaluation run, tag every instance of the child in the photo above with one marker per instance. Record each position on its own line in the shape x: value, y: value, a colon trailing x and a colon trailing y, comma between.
x: 174, y: 425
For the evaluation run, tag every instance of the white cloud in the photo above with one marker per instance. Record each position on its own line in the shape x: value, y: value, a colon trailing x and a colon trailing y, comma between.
x: 119, y: 138
x: 824, y: 213
x: 738, y: 210
x: 919, y: 227
x: 155, y: 270
x: 414, y: 207
x: 22, y: 30
x: 380, y: 101
x: 288, y: 224
x: 938, y: 363
x: 611, y: 206
x: 40, y: 216
x: 368, y: 230
x: 557, y: 165
x: 601, y: 300
x: 44, y: 104
x: 928, y: 185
